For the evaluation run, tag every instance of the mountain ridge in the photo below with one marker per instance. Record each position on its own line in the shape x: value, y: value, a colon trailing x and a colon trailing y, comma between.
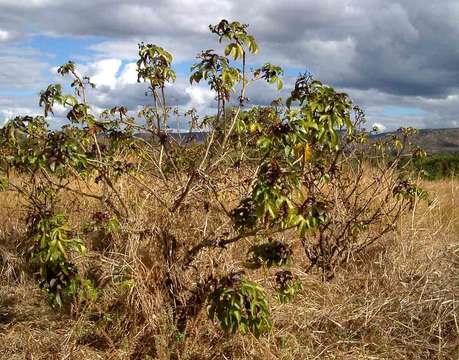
x: 433, y: 141
x: 443, y: 140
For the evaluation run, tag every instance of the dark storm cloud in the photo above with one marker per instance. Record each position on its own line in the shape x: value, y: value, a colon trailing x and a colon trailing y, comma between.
x: 404, y: 50
x: 401, y: 47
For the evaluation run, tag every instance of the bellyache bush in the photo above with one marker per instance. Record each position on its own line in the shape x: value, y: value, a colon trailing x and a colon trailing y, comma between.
x: 301, y: 173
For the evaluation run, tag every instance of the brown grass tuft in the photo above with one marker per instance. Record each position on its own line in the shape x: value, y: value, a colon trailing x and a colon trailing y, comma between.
x: 396, y: 300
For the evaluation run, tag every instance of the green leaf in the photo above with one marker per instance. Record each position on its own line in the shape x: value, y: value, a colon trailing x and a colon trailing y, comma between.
x: 279, y: 84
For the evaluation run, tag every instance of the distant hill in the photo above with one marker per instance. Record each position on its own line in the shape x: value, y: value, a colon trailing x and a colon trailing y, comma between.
x: 195, y: 135
x: 431, y: 140
x: 436, y: 140
x: 181, y: 136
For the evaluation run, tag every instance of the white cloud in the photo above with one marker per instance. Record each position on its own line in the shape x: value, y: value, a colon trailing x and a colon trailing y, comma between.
x: 4, y: 35
x: 129, y: 74
x: 200, y: 97
x: 18, y: 70
x: 10, y: 113
x: 103, y: 72
x: 379, y: 126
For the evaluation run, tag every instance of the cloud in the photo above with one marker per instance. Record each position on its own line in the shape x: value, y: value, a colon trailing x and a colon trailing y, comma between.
x: 200, y: 97
x: 379, y: 127
x: 20, y: 69
x: 11, y: 106
x: 4, y: 35
x: 383, y: 52
x: 103, y: 72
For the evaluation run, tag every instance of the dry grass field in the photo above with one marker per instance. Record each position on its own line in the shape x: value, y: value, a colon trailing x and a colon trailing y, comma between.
x: 397, y: 300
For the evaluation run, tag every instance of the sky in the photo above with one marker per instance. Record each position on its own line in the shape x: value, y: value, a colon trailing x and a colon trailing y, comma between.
x: 397, y: 59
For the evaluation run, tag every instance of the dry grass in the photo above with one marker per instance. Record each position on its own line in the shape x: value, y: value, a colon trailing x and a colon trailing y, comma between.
x: 397, y: 300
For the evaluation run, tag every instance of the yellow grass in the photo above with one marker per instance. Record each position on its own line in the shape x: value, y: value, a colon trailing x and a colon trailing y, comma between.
x: 397, y: 300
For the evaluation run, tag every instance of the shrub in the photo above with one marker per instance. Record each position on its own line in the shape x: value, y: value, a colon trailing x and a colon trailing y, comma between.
x: 437, y: 166
x: 239, y: 304
x: 295, y: 169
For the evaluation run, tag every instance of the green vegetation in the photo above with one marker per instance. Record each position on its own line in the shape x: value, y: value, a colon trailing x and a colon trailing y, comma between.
x: 437, y: 166
x: 120, y: 215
